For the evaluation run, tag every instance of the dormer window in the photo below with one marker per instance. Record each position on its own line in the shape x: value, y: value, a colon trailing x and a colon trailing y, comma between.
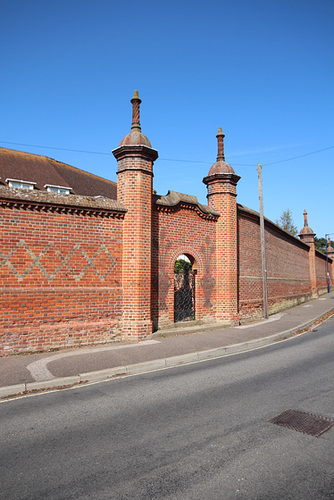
x: 57, y: 189
x: 19, y: 184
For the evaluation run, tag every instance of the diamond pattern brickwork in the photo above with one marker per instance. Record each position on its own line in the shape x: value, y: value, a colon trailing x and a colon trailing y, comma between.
x: 77, y: 262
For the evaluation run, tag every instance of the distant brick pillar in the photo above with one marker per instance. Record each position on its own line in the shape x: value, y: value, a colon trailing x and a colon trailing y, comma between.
x: 330, y: 254
x: 135, y: 158
x: 307, y: 236
x: 221, y: 183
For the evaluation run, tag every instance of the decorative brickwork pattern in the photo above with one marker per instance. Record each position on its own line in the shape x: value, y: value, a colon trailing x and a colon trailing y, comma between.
x: 51, y: 261
x: 60, y: 278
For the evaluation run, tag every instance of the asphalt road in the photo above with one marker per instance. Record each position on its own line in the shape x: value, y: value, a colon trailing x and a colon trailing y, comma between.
x: 200, y: 431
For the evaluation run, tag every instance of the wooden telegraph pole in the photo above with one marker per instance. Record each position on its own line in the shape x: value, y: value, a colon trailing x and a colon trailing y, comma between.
x: 263, y: 246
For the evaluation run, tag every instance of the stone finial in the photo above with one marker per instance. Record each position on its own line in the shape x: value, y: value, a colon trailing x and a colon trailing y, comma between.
x: 220, y: 137
x: 305, y: 219
x: 135, y: 111
x: 306, y: 233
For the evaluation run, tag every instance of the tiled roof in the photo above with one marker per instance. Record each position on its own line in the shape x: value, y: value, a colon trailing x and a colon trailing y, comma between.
x: 46, y: 171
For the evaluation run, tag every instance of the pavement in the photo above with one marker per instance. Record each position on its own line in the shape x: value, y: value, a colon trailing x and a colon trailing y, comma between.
x: 184, y: 343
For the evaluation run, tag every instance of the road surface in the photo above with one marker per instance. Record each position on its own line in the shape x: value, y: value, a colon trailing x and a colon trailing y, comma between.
x: 199, y: 431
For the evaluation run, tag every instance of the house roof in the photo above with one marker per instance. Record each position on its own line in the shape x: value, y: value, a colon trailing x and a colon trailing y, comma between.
x: 46, y: 171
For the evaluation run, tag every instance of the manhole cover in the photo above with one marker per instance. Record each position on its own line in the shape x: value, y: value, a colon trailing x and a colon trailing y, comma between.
x: 303, y: 422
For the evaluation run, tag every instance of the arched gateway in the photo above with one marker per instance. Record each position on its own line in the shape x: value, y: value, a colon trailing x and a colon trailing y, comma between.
x: 184, y: 289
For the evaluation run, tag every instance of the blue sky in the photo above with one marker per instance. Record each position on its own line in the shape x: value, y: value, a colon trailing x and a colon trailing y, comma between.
x: 263, y: 70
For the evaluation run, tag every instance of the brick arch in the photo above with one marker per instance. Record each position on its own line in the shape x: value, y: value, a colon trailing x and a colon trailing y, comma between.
x: 182, y: 249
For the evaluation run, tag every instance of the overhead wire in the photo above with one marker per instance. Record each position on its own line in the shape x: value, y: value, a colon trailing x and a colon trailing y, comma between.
x: 168, y: 159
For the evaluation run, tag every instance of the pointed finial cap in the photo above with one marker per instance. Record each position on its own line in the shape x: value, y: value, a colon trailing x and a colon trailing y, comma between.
x: 135, y: 96
x: 135, y: 137
x: 306, y: 229
x: 220, y: 167
x: 305, y: 218
x: 220, y: 137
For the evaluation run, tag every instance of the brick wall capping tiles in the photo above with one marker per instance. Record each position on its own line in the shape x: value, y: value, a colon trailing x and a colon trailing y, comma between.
x: 140, y: 150
x: 173, y: 199
x: 20, y: 197
x: 268, y: 222
x: 225, y: 177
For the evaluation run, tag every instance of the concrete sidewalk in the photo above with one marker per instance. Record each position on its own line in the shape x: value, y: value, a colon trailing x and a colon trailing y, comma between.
x: 30, y: 372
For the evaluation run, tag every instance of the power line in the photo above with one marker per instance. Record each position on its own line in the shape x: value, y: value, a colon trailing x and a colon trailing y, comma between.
x: 108, y: 154
x: 295, y: 157
x: 53, y: 147
x: 169, y: 159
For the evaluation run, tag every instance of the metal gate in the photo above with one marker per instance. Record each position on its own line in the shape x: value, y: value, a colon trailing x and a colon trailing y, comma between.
x: 184, y: 296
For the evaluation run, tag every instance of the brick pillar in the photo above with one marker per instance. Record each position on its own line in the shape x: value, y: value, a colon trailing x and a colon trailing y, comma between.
x: 221, y: 183
x: 330, y: 254
x: 307, y: 236
x: 135, y: 158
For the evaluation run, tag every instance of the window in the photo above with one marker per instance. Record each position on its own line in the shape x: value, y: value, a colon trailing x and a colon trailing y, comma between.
x: 57, y: 189
x: 19, y: 184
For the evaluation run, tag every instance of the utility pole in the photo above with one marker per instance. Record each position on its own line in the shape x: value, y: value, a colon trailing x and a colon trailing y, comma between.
x: 263, y: 246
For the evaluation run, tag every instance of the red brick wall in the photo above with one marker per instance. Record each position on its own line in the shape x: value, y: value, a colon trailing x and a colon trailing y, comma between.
x: 287, y: 267
x: 321, y: 271
x: 60, y: 278
x: 182, y: 231
x: 61, y: 271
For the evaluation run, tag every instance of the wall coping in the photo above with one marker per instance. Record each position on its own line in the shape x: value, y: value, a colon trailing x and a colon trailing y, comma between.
x: 268, y: 222
x: 12, y: 197
x: 173, y: 200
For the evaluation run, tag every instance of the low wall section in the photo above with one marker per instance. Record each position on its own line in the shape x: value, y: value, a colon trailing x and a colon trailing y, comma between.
x: 60, y: 271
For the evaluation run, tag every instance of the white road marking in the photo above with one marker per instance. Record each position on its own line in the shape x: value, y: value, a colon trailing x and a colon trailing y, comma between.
x: 272, y: 318
x: 38, y: 369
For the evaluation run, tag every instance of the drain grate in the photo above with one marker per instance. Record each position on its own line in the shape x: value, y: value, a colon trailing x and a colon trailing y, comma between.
x: 303, y: 422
